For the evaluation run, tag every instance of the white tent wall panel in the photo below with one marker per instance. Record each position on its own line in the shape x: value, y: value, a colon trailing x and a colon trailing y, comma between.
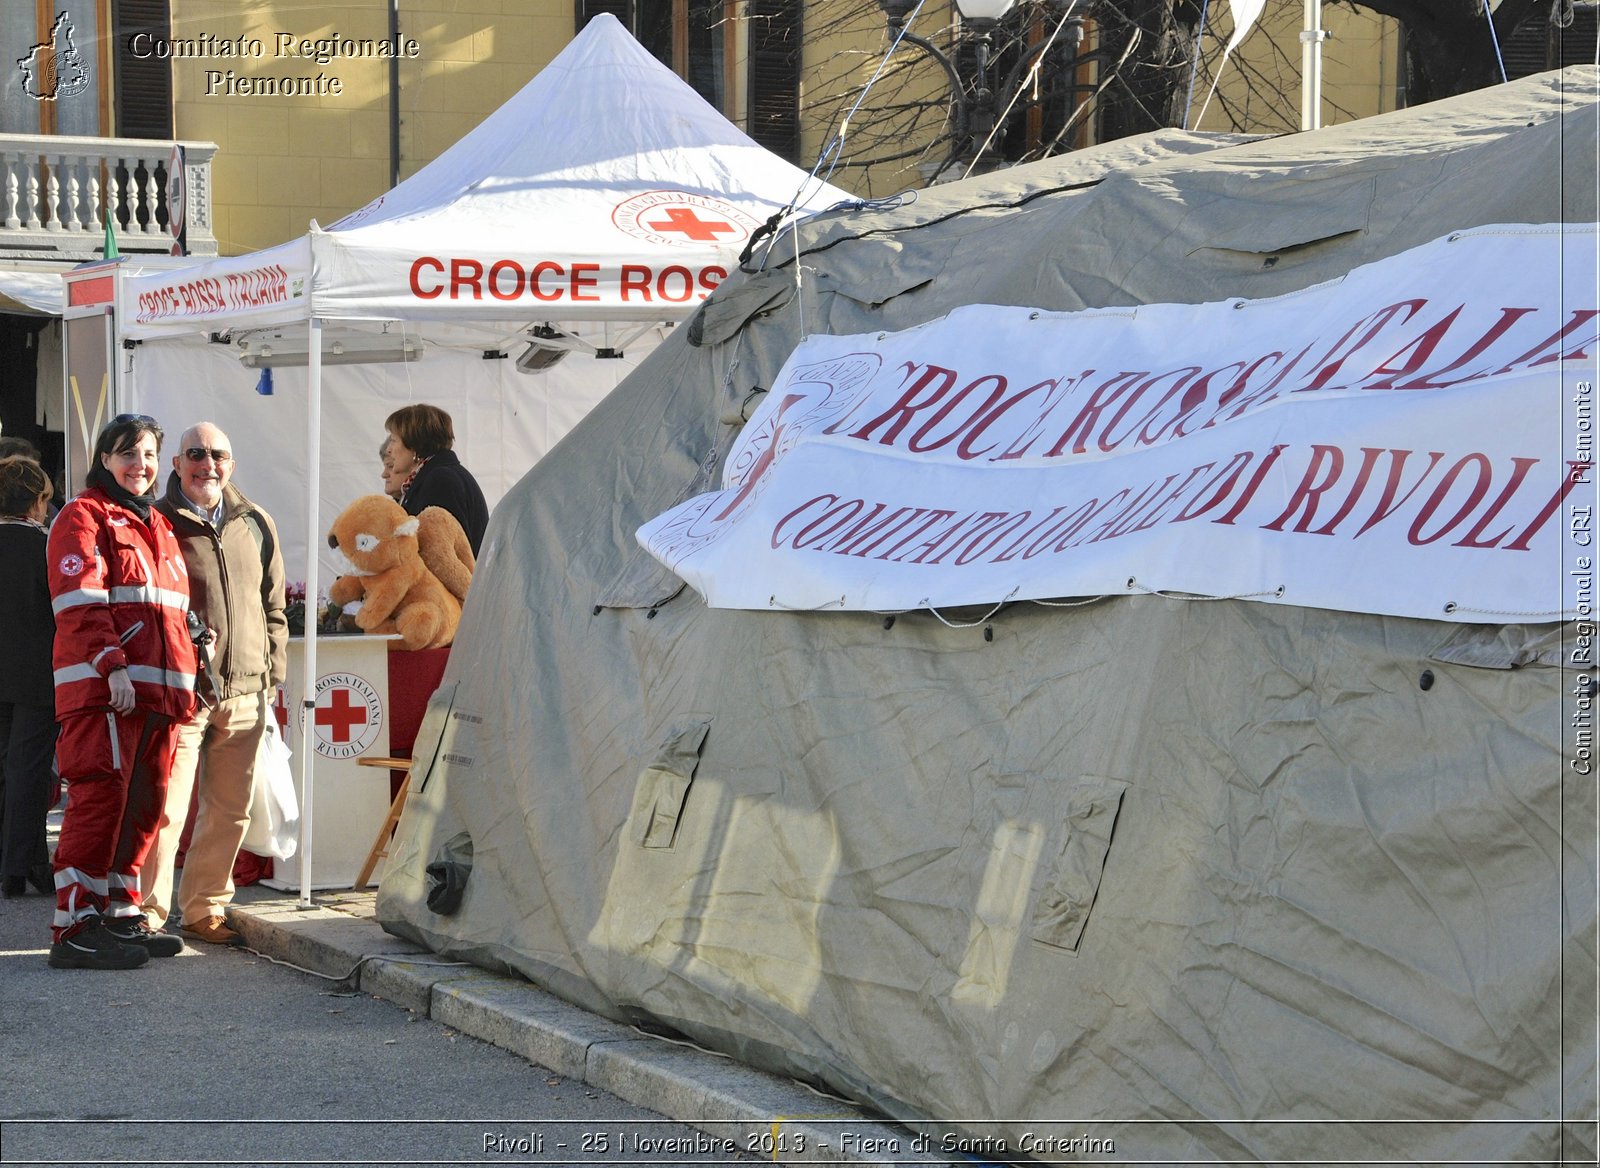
x: 504, y: 421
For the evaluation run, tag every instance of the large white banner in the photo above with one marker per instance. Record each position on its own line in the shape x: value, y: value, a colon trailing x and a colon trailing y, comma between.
x: 1415, y: 438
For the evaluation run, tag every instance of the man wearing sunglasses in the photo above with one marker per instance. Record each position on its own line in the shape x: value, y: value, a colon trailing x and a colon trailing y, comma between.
x: 236, y: 587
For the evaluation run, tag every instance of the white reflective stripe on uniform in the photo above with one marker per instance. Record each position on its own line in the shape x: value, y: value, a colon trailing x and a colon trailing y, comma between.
x: 149, y: 594
x: 166, y: 677
x: 68, y: 876
x: 95, y: 660
x: 116, y: 761
x: 72, y: 673
x: 125, y: 882
x: 81, y: 596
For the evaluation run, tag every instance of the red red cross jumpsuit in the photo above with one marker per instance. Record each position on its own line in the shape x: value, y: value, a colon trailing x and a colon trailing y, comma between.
x: 121, y: 596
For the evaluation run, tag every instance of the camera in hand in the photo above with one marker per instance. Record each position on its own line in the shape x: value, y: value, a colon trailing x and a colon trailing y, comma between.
x: 198, y: 633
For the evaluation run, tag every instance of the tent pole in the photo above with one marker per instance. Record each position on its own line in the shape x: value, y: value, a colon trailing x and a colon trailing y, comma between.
x: 308, y: 694
x: 1311, y: 38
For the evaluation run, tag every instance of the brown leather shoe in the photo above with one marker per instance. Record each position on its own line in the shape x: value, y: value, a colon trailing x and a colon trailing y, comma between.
x: 211, y: 929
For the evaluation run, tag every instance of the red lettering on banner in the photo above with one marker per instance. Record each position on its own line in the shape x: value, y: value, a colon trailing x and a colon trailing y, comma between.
x: 1520, y: 468
x: 635, y: 278
x: 1532, y: 356
x: 710, y: 279
x: 1374, y: 324
x: 1106, y: 442
x: 908, y: 403
x: 1309, y: 491
x: 466, y: 274
x: 1434, y: 501
x: 915, y: 443
x: 1235, y: 401
x: 979, y: 425
x: 417, y: 266
x: 1386, y: 505
x: 1225, y: 480
x: 1369, y: 459
x: 1228, y: 516
x: 1083, y: 425
x: 518, y: 277
x: 681, y: 286
x: 535, y: 277
x: 1011, y: 552
x: 777, y: 529
x: 1508, y: 317
x: 1415, y: 352
x: 584, y: 282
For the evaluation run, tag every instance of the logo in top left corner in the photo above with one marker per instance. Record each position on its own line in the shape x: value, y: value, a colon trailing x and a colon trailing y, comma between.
x: 54, y: 69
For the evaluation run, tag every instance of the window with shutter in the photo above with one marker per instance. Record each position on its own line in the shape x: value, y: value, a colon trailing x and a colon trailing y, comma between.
x: 142, y: 109
x: 684, y: 35
x: 774, y: 75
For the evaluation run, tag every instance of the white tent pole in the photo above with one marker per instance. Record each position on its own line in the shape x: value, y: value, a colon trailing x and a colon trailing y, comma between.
x: 308, y: 696
x: 1311, y: 38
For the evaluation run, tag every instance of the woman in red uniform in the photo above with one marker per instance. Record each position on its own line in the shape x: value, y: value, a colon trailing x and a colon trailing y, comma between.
x: 124, y: 678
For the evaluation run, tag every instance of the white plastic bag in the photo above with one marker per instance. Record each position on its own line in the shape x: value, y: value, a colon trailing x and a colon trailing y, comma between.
x: 274, y: 811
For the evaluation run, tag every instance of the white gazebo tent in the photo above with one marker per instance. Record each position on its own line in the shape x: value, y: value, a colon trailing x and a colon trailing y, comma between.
x: 603, y: 200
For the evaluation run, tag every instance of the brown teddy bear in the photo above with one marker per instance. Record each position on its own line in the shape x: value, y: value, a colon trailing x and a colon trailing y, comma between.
x: 446, y: 550
x: 398, y: 593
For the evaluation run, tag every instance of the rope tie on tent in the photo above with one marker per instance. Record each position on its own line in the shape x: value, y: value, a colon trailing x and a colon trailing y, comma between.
x: 1071, y: 603
x: 984, y: 619
x: 1135, y: 586
x: 1453, y: 607
x: 774, y: 602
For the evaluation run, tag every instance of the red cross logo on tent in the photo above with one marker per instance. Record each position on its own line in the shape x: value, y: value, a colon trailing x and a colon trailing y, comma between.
x: 685, y: 220
x: 347, y: 716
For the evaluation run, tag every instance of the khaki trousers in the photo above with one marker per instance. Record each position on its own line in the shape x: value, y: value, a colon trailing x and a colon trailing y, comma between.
x: 217, y: 748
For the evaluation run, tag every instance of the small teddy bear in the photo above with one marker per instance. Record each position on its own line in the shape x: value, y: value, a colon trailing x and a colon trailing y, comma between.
x: 386, y: 571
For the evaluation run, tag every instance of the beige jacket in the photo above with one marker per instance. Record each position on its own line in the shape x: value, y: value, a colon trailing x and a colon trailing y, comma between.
x: 236, y: 586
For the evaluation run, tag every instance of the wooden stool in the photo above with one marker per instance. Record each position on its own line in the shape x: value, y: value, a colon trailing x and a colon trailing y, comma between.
x: 380, y: 846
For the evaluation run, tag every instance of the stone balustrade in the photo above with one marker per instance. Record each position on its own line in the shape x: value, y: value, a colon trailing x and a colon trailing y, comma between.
x: 54, y: 191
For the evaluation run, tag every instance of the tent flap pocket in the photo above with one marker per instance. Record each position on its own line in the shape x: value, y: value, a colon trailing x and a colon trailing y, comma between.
x: 664, y: 785
x: 1064, y: 904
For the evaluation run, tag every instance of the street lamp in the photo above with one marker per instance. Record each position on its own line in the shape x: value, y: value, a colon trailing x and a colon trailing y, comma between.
x: 975, y: 112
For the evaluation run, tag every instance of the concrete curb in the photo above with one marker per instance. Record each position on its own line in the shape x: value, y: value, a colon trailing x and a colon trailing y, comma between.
x: 737, y: 1107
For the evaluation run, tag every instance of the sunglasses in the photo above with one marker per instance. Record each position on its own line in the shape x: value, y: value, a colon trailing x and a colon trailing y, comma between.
x: 142, y: 419
x: 200, y: 453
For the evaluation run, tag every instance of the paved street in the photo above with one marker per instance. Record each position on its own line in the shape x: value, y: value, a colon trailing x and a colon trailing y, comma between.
x: 218, y: 1055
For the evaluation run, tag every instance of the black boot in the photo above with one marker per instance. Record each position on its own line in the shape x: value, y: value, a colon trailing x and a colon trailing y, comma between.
x: 11, y: 886
x: 137, y: 931
x: 93, y: 948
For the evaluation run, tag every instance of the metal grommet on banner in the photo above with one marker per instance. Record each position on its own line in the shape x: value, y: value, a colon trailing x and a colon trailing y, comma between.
x: 1450, y: 607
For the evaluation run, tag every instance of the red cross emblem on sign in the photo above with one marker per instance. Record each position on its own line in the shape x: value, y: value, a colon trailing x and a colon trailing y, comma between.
x: 685, y: 221
x: 342, y: 714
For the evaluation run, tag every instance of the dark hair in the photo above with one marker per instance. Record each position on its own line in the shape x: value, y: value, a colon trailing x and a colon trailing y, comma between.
x: 423, y: 430
x: 19, y: 446
x: 23, y: 484
x: 122, y: 434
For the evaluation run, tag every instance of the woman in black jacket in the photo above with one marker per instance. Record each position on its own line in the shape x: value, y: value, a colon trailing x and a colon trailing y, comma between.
x: 27, y: 685
x: 421, y: 438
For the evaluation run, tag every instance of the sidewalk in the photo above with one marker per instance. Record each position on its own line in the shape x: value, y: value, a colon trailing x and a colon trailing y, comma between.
x: 774, y: 1118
